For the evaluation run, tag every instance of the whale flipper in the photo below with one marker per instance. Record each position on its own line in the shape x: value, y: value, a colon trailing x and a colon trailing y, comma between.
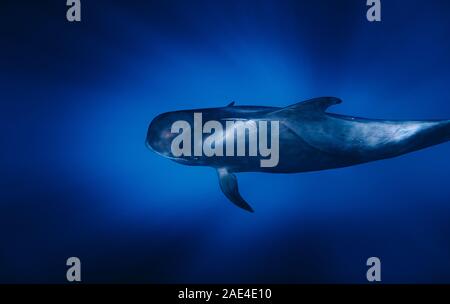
x: 228, y: 184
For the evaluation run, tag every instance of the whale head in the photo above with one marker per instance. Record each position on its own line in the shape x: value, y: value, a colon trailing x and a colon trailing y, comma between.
x: 159, y: 135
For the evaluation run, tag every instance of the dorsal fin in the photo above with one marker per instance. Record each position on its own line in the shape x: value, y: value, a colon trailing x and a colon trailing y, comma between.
x: 230, y: 104
x: 318, y: 105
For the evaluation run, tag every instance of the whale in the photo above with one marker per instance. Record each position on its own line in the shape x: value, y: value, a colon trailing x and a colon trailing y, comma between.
x: 309, y: 138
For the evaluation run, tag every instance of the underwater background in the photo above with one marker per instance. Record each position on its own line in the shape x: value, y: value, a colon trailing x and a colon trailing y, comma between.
x: 77, y: 180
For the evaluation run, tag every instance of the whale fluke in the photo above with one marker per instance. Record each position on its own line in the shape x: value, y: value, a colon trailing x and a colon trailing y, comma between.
x: 228, y: 184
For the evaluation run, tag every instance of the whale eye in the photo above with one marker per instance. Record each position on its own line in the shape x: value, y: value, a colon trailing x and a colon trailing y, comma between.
x: 166, y: 134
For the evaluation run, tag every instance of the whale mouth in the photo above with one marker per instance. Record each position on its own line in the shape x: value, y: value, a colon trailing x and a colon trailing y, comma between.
x: 147, y: 144
x: 178, y: 159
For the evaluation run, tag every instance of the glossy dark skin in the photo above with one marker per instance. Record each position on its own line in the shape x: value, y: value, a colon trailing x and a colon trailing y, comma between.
x: 310, y: 139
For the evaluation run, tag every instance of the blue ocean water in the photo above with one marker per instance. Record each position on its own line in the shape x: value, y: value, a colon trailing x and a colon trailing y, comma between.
x: 77, y: 179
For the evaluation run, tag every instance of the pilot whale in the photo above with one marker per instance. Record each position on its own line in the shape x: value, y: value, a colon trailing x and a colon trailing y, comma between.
x: 309, y: 139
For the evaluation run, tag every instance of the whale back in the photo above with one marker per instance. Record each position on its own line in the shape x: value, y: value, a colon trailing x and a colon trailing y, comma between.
x: 358, y: 139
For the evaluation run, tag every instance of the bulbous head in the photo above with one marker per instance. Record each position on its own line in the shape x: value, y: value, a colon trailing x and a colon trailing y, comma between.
x: 159, y: 135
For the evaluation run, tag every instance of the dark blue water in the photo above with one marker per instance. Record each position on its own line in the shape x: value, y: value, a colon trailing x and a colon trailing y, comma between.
x: 77, y: 180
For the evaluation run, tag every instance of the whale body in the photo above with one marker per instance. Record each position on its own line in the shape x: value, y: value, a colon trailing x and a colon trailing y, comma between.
x: 309, y: 138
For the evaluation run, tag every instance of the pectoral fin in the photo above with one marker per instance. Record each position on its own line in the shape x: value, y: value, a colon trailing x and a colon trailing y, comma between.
x: 228, y: 184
